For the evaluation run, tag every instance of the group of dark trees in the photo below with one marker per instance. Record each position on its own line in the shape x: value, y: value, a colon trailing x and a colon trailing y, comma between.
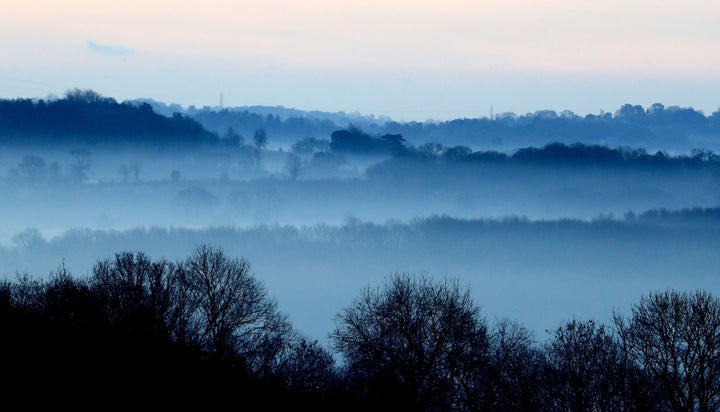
x: 84, y: 116
x: 34, y: 169
x: 427, y: 157
x: 167, y: 333
x: 430, y: 156
x: 354, y: 140
x: 424, y: 343
x: 204, y: 330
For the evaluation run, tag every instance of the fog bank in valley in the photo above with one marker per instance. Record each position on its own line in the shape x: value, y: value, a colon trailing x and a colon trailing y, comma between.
x: 537, y: 272
x: 541, y: 233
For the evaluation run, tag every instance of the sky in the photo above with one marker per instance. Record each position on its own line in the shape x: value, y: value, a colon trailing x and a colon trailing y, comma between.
x: 409, y: 60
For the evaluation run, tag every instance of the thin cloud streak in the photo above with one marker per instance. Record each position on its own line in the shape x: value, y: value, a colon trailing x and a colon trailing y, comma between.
x: 108, y: 50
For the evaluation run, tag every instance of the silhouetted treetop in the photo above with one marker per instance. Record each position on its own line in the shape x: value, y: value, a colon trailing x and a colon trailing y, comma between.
x: 355, y: 140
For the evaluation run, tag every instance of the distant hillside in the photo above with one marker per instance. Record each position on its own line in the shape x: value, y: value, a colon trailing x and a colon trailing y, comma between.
x: 284, y: 125
x: 340, y: 118
x: 87, y: 116
x: 84, y: 116
x: 656, y: 127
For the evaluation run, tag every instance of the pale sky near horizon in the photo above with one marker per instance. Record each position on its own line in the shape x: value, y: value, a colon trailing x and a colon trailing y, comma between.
x: 409, y: 60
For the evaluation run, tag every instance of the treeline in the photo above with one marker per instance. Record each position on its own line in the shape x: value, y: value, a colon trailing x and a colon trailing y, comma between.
x: 277, y: 120
x: 355, y: 140
x: 654, y: 126
x: 691, y: 235
x: 86, y: 117
x: 204, y: 331
x: 84, y: 113
x: 407, y: 159
x: 431, y: 156
x: 245, y: 122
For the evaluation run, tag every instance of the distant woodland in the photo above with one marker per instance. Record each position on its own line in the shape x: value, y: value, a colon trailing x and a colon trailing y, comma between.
x: 656, y: 127
x: 84, y: 118
x: 85, y: 113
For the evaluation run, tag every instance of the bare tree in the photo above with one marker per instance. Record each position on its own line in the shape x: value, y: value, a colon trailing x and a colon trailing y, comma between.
x: 515, y: 376
x: 87, y: 96
x: 420, y: 341
x: 81, y: 164
x: 311, y: 145
x: 135, y: 168
x: 26, y: 293
x: 140, y: 292
x: 456, y: 153
x: 309, y: 369
x: 431, y: 150
x: 233, y: 138
x: 28, y: 239
x: 232, y: 314
x: 260, y: 139
x: 588, y: 371
x: 125, y: 172
x: 126, y: 169
x: 32, y: 168
x: 675, y: 337
x: 260, y: 142
x: 293, y: 165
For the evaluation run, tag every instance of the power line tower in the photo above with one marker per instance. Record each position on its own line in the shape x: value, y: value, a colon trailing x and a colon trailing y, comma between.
x: 221, y: 100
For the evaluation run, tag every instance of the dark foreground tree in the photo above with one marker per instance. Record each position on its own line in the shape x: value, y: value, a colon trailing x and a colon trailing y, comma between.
x: 414, y: 343
x: 138, y: 292
x: 309, y: 372
x: 589, y: 371
x: 516, y: 370
x: 232, y: 314
x: 164, y: 335
x: 675, y: 337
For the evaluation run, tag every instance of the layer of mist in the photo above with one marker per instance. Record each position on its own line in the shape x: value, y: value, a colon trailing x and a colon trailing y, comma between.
x: 539, y: 272
x: 541, y: 233
x: 127, y: 189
